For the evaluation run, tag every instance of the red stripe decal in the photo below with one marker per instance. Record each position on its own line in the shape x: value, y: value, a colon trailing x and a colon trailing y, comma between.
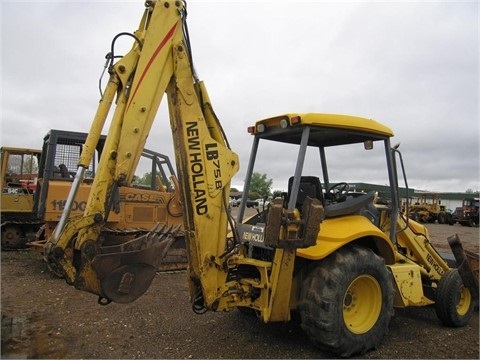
x: 150, y: 62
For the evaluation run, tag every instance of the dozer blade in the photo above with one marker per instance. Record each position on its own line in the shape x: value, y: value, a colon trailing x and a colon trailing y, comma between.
x: 126, y: 270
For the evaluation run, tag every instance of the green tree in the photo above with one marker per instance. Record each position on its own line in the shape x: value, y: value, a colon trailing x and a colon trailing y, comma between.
x: 277, y: 194
x: 145, y: 179
x: 260, y: 185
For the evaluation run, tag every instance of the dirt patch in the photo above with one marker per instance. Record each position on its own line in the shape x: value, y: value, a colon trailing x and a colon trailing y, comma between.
x: 43, y: 317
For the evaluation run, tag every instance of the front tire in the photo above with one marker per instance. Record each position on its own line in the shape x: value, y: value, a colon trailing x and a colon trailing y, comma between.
x: 453, y: 301
x: 346, y: 302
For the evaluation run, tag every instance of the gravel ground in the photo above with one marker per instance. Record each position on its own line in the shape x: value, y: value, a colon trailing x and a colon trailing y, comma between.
x: 43, y: 317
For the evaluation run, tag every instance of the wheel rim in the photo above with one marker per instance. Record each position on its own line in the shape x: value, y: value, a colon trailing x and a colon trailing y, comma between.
x: 362, y: 304
x: 464, y: 301
x: 11, y: 237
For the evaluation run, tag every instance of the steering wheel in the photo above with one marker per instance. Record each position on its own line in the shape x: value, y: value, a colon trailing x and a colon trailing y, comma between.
x: 337, y: 190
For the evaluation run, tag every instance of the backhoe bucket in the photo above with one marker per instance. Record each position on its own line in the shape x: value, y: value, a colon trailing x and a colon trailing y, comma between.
x: 467, y: 264
x: 127, y: 270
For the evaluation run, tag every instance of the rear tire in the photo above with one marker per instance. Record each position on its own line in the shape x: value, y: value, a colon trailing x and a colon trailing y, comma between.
x: 416, y: 217
x: 454, y: 303
x: 449, y: 219
x: 346, y: 302
x: 441, y: 218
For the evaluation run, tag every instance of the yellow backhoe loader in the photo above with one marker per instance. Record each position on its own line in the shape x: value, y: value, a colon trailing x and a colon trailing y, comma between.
x: 342, y: 261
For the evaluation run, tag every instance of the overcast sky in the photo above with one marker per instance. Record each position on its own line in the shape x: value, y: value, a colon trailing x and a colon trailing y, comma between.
x: 413, y: 66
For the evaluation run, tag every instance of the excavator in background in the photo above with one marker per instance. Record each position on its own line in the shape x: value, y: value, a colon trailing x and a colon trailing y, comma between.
x: 136, y: 208
x: 342, y: 262
x: 19, y: 182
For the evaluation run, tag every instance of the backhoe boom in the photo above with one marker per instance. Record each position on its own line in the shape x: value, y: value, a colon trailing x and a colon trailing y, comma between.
x: 158, y: 62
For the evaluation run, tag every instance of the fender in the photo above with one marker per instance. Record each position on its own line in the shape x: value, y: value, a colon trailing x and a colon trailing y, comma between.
x: 338, y: 232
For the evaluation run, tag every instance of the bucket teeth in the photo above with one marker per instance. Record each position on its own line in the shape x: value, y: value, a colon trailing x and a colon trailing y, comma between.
x: 158, y: 234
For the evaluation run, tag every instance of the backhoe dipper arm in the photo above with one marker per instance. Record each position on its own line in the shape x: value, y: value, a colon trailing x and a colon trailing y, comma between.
x: 159, y: 62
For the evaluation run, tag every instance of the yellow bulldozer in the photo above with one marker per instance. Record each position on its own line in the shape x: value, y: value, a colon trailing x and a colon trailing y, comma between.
x: 19, y: 172
x: 135, y: 208
x: 36, y: 184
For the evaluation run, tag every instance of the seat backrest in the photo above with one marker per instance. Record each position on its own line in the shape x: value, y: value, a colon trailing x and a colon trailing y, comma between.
x: 64, y: 171
x: 309, y: 186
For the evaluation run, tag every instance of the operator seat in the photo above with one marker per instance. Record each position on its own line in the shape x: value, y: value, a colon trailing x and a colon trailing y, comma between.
x: 64, y: 171
x: 309, y: 186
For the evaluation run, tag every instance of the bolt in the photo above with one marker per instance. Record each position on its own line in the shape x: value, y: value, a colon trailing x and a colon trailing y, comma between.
x: 98, y: 218
x: 58, y: 251
x: 89, y: 249
x: 121, y: 69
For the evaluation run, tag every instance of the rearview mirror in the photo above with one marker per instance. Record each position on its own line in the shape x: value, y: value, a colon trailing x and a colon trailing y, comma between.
x: 368, y: 144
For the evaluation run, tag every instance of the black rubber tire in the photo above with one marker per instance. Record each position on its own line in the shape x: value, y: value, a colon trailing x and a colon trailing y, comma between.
x: 416, y: 217
x: 449, y: 219
x: 13, y: 238
x: 451, y: 307
x: 441, y: 218
x: 324, y: 295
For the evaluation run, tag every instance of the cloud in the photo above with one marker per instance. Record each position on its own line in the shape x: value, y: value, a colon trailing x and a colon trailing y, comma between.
x: 410, y: 65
